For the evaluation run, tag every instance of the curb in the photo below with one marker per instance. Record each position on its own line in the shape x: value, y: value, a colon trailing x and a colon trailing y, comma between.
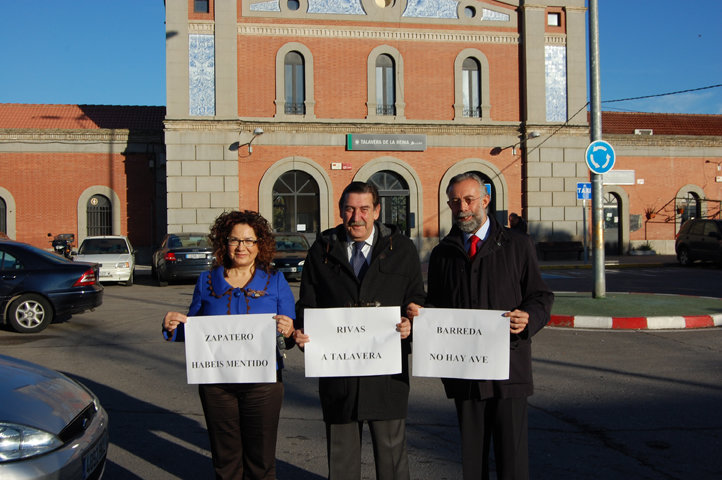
x: 636, y: 323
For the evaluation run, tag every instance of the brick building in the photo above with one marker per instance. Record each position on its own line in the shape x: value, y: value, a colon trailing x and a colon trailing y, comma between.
x: 277, y: 105
x: 82, y: 169
x: 401, y: 93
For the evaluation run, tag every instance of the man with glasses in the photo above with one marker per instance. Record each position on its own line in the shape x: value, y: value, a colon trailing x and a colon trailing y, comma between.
x: 482, y: 265
x: 362, y: 263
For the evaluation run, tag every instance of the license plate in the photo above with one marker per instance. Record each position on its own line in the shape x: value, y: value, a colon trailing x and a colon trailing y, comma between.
x: 195, y: 255
x: 106, y: 274
x: 288, y: 269
x: 95, y: 456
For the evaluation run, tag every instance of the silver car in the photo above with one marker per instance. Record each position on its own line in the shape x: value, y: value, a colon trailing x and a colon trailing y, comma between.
x: 51, y: 427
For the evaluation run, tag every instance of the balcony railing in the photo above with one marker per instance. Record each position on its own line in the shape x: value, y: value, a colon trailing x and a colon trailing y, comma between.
x: 295, y: 109
x: 385, y: 109
x: 472, y: 112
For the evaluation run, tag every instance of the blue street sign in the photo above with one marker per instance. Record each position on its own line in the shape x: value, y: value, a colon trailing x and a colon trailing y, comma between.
x: 600, y: 156
x: 584, y: 191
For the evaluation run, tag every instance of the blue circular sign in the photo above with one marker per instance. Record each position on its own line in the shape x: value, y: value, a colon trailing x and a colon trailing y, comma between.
x: 600, y: 156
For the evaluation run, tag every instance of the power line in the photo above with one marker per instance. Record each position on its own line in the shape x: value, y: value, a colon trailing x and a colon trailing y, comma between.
x: 663, y: 94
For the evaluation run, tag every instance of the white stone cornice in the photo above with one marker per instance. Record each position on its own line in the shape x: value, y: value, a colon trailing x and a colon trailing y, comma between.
x: 202, y: 28
x: 367, y: 33
x: 555, y: 39
x: 66, y: 136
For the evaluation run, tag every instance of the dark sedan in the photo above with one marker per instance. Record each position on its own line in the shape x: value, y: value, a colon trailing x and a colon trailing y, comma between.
x: 291, y: 250
x: 38, y: 286
x: 182, y: 256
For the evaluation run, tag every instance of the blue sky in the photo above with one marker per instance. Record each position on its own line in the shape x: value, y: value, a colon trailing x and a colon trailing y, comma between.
x: 112, y: 52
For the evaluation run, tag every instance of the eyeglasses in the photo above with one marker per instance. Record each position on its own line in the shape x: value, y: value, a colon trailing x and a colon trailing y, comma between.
x: 456, y: 202
x: 247, y: 242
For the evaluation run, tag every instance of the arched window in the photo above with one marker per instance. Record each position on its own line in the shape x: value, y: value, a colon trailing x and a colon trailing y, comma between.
x: 3, y: 216
x: 385, y: 85
x: 99, y: 215
x: 471, y: 87
x: 294, y: 84
x: 295, y: 203
x: 394, y: 197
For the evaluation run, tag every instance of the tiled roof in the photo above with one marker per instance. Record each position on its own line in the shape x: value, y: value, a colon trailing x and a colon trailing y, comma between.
x: 36, y: 116
x: 625, y: 123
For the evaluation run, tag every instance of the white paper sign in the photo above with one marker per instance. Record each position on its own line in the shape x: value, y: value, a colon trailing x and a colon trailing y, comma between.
x: 461, y: 343
x: 231, y: 349
x: 352, y: 342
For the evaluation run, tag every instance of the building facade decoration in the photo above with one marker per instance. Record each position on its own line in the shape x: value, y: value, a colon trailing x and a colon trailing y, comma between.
x: 201, y: 75
x: 555, y: 69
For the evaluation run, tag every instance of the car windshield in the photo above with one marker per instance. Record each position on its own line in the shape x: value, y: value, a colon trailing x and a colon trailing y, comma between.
x: 99, y: 246
x: 182, y: 241
x: 291, y: 243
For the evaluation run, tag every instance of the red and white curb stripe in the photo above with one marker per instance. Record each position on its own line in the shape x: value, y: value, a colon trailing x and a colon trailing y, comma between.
x: 636, y: 323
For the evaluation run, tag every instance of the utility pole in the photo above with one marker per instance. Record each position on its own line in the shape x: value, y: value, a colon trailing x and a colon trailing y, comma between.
x: 595, y: 127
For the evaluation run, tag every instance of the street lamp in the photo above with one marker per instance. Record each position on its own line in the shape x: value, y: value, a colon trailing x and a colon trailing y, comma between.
x: 256, y: 132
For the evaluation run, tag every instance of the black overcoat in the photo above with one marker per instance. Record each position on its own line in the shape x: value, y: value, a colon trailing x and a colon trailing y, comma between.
x: 504, y: 275
x: 393, y: 278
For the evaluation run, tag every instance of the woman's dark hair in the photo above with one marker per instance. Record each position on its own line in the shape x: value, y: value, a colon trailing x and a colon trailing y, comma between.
x: 221, y: 230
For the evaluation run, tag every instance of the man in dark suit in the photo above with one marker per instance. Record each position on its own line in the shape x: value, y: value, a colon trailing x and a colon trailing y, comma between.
x: 482, y: 265
x: 361, y: 263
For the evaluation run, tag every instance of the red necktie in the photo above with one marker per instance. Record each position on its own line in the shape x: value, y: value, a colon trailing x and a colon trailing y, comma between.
x: 474, y: 246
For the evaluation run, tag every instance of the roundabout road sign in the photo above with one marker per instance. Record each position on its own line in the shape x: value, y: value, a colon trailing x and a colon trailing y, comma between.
x: 600, y: 156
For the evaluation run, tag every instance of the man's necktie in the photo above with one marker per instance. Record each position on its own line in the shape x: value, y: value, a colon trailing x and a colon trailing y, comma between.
x: 474, y: 246
x: 358, y: 260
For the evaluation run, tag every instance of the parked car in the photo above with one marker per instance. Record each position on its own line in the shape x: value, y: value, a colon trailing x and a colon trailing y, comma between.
x: 291, y: 250
x: 115, y: 255
x: 50, y: 425
x: 182, y: 256
x: 38, y: 286
x: 699, y: 239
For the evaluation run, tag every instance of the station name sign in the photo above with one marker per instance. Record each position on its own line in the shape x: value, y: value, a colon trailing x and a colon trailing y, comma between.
x: 404, y: 143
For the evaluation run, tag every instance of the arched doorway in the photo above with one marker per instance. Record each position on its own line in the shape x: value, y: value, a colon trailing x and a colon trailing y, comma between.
x: 612, y: 226
x: 295, y: 203
x: 689, y: 207
x: 99, y: 216
x: 394, y: 198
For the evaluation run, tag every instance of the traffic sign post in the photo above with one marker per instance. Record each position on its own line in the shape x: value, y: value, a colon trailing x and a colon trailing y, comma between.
x: 584, y: 193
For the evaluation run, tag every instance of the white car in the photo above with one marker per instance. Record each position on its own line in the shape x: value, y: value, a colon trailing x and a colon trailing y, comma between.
x: 113, y: 253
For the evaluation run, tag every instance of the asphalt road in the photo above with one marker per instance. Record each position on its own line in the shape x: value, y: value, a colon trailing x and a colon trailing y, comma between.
x: 700, y: 279
x: 608, y: 404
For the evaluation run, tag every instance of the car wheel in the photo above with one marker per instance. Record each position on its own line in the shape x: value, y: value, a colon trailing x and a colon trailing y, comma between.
x: 30, y: 313
x: 162, y: 281
x: 683, y: 256
x: 129, y: 282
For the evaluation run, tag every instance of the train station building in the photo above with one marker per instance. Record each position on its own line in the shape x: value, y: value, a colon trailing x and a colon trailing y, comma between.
x: 276, y: 105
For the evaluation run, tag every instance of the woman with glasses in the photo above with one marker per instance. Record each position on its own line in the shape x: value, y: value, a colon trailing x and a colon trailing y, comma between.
x: 242, y: 418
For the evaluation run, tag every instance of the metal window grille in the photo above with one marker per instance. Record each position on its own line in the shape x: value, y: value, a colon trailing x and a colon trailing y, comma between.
x: 99, y: 216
